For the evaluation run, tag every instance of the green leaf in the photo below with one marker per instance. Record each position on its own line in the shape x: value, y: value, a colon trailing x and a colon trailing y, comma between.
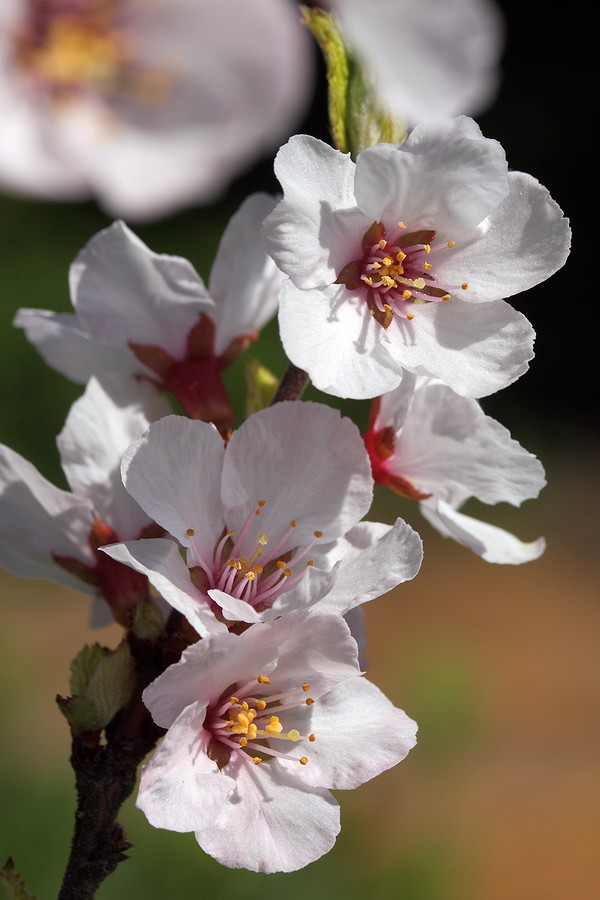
x: 83, y: 667
x: 261, y: 385
x: 80, y: 713
x: 327, y: 35
x: 14, y: 883
x: 101, y: 682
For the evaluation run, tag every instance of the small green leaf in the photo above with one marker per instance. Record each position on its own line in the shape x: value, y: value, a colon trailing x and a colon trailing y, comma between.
x: 14, y: 883
x: 83, y: 667
x: 261, y: 385
x: 80, y: 713
x: 327, y: 34
x: 101, y: 682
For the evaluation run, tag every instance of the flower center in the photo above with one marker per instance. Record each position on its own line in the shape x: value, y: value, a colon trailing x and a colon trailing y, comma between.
x: 80, y: 47
x: 248, y: 722
x: 397, y: 272
x: 253, y: 569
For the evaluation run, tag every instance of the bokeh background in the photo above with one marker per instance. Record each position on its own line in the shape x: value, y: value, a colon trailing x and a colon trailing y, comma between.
x: 499, y: 665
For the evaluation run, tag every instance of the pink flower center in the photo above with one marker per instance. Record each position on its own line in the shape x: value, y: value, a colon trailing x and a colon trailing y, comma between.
x: 249, y: 722
x: 397, y: 272
x: 253, y: 569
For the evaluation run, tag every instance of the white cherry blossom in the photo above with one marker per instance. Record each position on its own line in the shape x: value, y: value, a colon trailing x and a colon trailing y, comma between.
x: 427, y: 443
x: 47, y: 532
x: 260, y: 727
x: 150, y: 316
x: 148, y: 107
x: 402, y: 260
x: 428, y: 58
x: 270, y: 523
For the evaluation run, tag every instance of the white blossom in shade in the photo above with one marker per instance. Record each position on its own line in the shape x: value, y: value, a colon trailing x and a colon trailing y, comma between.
x: 261, y: 727
x: 150, y: 316
x: 270, y: 523
x: 429, y: 444
x: 47, y: 532
x: 402, y: 260
x: 428, y: 58
x: 146, y: 106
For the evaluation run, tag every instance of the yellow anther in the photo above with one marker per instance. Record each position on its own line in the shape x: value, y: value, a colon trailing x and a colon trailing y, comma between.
x: 243, y: 719
x: 382, y: 244
x: 387, y: 308
x: 427, y: 266
x: 303, y: 760
x: 258, y: 569
x: 234, y: 564
x: 318, y: 534
x: 306, y: 687
x: 234, y: 701
x: 252, y: 730
x: 244, y: 706
x: 293, y: 735
x: 256, y: 760
x: 261, y: 502
x: 452, y: 243
x: 401, y: 225
x: 387, y: 260
x: 309, y: 701
x: 376, y: 265
x: 242, y: 742
x: 263, y: 679
x: 400, y: 256
x: 311, y: 738
x: 274, y: 726
x: 287, y: 572
x: 293, y: 523
x: 367, y: 280
x: 309, y: 562
x: 250, y: 575
x: 262, y: 539
x: 446, y: 297
x: 427, y: 248
x: 410, y: 316
x: 190, y: 532
x: 280, y: 564
x: 465, y: 285
x: 406, y: 294
x: 261, y: 704
x: 388, y: 282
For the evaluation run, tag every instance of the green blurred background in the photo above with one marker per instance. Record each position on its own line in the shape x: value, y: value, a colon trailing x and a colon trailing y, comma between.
x: 499, y: 665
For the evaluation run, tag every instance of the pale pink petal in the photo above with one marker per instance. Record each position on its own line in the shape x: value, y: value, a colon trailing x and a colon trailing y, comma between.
x: 347, y: 354
x: 64, y: 346
x: 271, y: 822
x: 234, y: 609
x: 160, y: 560
x: 174, y: 473
x: 100, y: 426
x: 490, y: 542
x: 244, y: 282
x: 445, y: 176
x: 307, y: 463
x: 181, y: 788
x: 374, y: 558
x: 123, y: 291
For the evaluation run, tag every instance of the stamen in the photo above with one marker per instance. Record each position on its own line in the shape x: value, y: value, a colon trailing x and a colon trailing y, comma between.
x: 190, y: 532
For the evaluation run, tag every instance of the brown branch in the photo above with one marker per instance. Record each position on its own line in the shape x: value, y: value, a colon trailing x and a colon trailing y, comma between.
x: 292, y: 384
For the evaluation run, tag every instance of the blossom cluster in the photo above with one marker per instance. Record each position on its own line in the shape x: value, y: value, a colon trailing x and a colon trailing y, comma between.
x: 389, y: 274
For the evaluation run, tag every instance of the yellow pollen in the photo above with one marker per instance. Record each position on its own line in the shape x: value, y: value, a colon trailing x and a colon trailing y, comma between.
x: 387, y: 260
x: 280, y: 564
x: 401, y: 225
x: 256, y: 760
x: 287, y: 572
x: 311, y: 738
x: 306, y: 687
x: 263, y: 540
x: 400, y: 256
x: 382, y: 244
x: 406, y: 294
x: 190, y: 532
x: 446, y: 297
x: 388, y: 282
x: 293, y: 523
x: 244, y: 706
x: 234, y: 701
x: 410, y: 316
x: 243, y: 719
x: 274, y: 726
x: 261, y: 704
x: 451, y: 243
x: 293, y: 735
x: 427, y: 248
x: 464, y: 286
x: 303, y: 760
x: 318, y: 534
x: 309, y: 562
x: 368, y: 280
x: 242, y: 741
x: 376, y: 265
x: 387, y: 308
x: 252, y: 729
x: 263, y: 679
x: 258, y: 569
x: 261, y: 503
x: 234, y: 564
x: 427, y: 266
x: 309, y: 701
x: 250, y: 575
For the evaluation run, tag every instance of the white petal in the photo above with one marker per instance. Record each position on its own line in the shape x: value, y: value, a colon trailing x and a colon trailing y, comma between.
x: 491, y: 543
x: 308, y: 464
x: 449, y: 52
x: 100, y: 426
x: 124, y: 292
x: 174, y: 473
x: 526, y: 240
x: 374, y: 559
x: 181, y: 788
x: 358, y: 735
x: 448, y: 447
x: 235, y: 610
x: 271, y: 822
x: 160, y: 560
x: 444, y: 176
x: 345, y: 352
x: 475, y: 348
x: 308, y: 235
x: 63, y: 345
x: 244, y: 281
x: 38, y: 521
